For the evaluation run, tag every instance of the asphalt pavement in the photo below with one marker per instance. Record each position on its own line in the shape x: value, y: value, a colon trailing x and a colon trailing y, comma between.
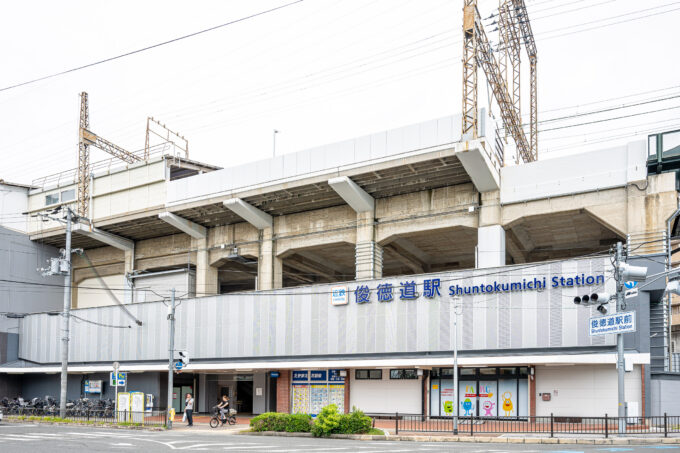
x: 53, y: 438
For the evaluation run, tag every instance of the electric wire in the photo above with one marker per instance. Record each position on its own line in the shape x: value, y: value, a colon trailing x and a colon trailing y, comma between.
x: 153, y: 46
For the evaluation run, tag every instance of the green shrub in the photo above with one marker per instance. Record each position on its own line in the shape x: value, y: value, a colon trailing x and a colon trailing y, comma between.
x: 327, y: 422
x: 355, y: 423
x: 269, y: 421
x: 298, y: 423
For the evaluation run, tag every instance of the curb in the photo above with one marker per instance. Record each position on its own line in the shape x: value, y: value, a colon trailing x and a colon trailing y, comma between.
x: 483, y: 439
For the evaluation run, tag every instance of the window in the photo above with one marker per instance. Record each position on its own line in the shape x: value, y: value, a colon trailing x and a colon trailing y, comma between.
x: 404, y: 374
x: 52, y: 198
x: 467, y: 371
x: 487, y: 373
x: 367, y: 374
x: 68, y: 195
x: 507, y: 372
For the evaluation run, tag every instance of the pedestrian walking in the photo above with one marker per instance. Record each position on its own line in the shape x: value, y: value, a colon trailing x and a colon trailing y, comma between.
x: 189, y: 409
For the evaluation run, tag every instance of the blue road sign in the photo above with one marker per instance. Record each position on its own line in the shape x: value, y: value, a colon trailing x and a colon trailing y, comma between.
x: 179, y: 365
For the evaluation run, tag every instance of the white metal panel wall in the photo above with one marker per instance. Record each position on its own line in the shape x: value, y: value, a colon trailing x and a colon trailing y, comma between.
x: 386, y: 395
x: 589, y: 391
x: 302, y: 322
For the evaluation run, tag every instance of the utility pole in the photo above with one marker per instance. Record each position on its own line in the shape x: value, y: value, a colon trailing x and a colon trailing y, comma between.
x: 66, y: 317
x: 274, y: 144
x: 171, y: 352
x: 620, y: 359
x: 456, y: 311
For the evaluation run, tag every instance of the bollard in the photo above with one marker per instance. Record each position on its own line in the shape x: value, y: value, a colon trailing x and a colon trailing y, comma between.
x: 472, y: 426
x: 552, y: 427
x: 396, y: 423
x: 606, y: 426
x: 665, y: 424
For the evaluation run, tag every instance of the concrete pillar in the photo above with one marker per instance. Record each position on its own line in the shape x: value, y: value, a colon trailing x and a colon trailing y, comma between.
x: 283, y: 392
x: 206, y: 275
x: 269, y: 266
x: 368, y: 253
x: 490, y: 235
x: 490, y: 246
x: 347, y: 389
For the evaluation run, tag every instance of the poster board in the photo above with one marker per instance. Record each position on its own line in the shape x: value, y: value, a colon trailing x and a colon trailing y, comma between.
x: 123, y: 407
x: 137, y: 407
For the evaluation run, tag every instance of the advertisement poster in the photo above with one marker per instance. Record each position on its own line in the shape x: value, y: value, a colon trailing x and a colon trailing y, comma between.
x: 300, y: 398
x: 447, y: 403
x: 467, y: 397
x: 488, y: 406
x: 123, y: 407
x: 507, y: 397
x: 137, y: 407
x: 318, y: 398
x: 337, y: 396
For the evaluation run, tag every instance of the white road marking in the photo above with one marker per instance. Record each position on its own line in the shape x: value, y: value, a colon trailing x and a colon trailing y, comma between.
x: 14, y: 437
x: 239, y: 447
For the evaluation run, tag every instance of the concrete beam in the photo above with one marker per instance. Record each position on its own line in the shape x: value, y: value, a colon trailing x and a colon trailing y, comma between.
x: 194, y: 230
x: 354, y: 195
x: 413, y: 249
x: 107, y: 238
x: 515, y: 249
x: 523, y: 238
x: 310, y: 267
x: 332, y: 265
x: 256, y: 217
x: 411, y: 262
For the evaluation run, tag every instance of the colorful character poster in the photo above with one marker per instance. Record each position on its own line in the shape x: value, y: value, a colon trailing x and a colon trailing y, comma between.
x: 507, y: 397
x: 467, y: 399
x: 488, y: 406
x: 447, y: 400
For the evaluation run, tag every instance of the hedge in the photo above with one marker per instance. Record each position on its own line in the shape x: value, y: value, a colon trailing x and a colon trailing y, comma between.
x: 274, y: 421
x: 328, y: 422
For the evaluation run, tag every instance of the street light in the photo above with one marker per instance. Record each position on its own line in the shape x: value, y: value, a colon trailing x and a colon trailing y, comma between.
x: 457, y: 309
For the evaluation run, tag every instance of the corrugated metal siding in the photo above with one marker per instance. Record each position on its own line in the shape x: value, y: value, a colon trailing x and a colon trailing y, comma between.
x: 301, y: 322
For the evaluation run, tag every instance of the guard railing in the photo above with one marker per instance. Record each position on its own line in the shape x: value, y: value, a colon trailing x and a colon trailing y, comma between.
x: 551, y: 425
x: 154, y: 417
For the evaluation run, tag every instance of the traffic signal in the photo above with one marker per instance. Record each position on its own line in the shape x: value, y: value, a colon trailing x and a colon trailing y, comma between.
x: 600, y: 298
x: 633, y: 273
x: 184, y: 358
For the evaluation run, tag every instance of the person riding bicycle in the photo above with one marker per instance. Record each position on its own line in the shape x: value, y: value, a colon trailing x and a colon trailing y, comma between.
x: 224, y: 407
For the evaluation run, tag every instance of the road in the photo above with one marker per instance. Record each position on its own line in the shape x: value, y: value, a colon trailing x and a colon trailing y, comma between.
x: 37, y: 438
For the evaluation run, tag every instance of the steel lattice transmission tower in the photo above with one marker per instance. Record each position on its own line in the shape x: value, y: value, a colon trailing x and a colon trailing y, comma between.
x: 514, y: 29
x: 85, y: 139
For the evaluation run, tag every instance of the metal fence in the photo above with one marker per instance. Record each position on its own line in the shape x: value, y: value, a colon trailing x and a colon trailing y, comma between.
x: 155, y: 417
x: 550, y: 425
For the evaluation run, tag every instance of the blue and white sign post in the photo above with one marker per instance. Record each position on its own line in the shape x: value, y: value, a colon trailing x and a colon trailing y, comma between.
x: 617, y: 323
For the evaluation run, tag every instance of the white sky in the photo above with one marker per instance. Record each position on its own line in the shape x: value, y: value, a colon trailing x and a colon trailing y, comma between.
x: 319, y: 71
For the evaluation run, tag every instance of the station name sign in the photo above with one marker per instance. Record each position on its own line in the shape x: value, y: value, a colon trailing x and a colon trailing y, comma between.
x: 432, y: 287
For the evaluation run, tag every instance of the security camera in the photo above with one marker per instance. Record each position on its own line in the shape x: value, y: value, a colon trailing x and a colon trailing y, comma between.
x: 577, y: 300
x: 600, y: 298
x: 602, y: 309
x: 585, y: 299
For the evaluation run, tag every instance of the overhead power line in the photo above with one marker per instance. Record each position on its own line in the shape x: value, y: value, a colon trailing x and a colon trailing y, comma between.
x: 153, y: 46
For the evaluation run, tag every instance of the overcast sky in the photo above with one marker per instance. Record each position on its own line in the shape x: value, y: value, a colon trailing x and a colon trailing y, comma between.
x: 319, y: 71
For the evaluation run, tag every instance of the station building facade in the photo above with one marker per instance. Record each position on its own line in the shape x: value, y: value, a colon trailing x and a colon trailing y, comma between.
x: 338, y: 274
